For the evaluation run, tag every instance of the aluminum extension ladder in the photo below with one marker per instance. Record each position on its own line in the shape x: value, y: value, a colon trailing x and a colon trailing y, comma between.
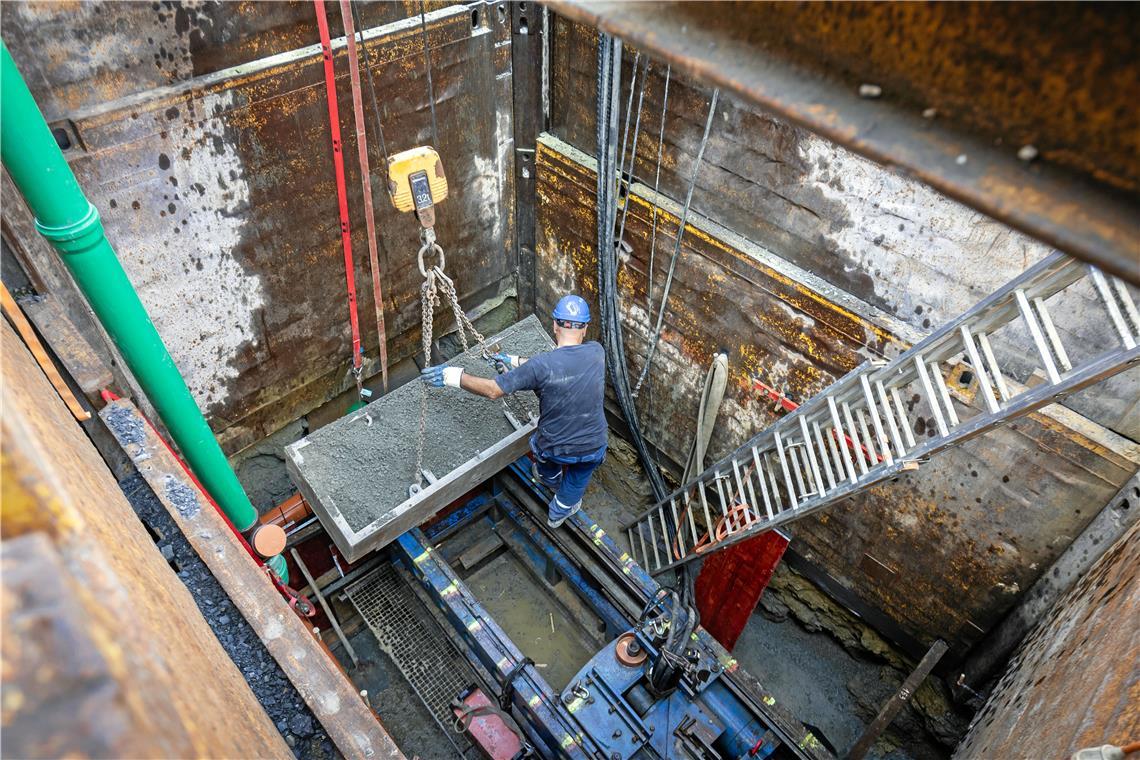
x: 859, y: 432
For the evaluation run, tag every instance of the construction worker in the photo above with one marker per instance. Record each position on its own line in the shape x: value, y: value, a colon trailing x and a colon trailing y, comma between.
x: 570, y: 382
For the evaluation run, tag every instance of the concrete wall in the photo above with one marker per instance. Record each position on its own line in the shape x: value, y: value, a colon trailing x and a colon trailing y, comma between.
x: 200, y: 131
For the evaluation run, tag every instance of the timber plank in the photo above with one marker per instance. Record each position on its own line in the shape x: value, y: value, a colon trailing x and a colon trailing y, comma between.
x: 121, y: 632
x: 334, y: 700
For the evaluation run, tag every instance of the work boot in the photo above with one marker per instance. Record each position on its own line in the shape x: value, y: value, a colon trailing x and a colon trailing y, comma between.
x: 552, y: 484
x: 558, y: 523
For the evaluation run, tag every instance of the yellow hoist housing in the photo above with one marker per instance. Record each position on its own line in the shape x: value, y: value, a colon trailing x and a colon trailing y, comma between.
x: 416, y: 182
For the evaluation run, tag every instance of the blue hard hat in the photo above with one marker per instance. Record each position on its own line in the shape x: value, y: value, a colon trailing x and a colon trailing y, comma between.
x: 572, y: 309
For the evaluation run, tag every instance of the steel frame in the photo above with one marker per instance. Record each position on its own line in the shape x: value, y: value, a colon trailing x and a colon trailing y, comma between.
x: 623, y: 569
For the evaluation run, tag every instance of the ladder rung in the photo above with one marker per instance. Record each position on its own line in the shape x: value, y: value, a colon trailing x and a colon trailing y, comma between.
x: 678, y: 533
x: 705, y: 508
x: 995, y: 370
x: 653, y: 535
x: 884, y: 447
x: 980, y: 370
x: 852, y: 439
x: 1126, y: 302
x: 824, y: 456
x: 784, y: 468
x: 1109, y: 300
x: 944, y: 394
x: 772, y: 481
x: 1034, y: 327
x: 813, y: 462
x: 908, y: 432
x: 868, y: 444
x: 760, y: 479
x: 724, y: 504
x: 931, y: 398
x: 1055, y: 343
x: 840, y: 439
x: 889, y: 415
x: 692, y: 521
x: 749, y: 506
x: 795, y: 456
x: 644, y: 551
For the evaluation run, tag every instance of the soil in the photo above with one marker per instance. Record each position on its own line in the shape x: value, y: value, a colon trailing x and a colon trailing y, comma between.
x: 277, y: 695
x: 362, y: 464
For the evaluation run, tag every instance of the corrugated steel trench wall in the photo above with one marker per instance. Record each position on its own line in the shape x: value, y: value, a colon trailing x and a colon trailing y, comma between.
x: 802, y: 260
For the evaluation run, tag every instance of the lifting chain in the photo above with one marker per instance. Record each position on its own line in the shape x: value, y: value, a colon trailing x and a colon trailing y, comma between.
x: 429, y: 297
x: 435, y: 283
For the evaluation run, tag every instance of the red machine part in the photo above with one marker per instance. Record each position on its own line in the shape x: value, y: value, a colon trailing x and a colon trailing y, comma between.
x: 730, y: 584
x: 486, y: 729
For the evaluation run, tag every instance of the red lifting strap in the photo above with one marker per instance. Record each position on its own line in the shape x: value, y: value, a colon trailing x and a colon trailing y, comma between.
x: 366, y: 183
x: 341, y: 191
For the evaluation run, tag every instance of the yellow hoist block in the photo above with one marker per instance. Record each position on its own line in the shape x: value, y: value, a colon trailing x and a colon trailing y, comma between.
x: 417, y: 183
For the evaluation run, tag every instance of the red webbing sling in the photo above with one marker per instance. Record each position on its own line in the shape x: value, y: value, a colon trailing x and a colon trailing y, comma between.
x: 366, y: 182
x: 341, y: 191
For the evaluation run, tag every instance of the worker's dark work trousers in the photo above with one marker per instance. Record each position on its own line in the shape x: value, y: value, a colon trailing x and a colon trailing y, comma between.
x: 568, y: 476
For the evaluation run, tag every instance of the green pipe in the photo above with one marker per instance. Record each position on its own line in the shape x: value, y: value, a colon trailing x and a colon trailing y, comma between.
x: 68, y: 220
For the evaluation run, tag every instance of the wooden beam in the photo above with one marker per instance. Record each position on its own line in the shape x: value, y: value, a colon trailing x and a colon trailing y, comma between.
x: 105, y: 653
x: 334, y: 700
x: 28, y: 334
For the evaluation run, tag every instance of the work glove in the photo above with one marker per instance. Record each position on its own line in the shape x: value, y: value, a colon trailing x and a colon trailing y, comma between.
x: 439, y: 376
x: 507, y: 361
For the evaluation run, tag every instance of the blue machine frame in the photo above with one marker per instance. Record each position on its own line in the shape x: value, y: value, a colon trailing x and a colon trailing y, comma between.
x: 603, y: 712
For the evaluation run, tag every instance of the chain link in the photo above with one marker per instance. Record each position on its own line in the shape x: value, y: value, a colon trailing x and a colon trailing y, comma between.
x: 461, y: 319
x: 428, y: 300
x: 436, y: 281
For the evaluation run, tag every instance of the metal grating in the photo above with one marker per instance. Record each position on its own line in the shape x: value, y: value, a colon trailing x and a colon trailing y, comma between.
x: 427, y: 659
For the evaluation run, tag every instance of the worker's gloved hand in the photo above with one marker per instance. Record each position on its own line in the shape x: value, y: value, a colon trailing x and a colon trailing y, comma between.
x: 508, y: 361
x: 438, y: 377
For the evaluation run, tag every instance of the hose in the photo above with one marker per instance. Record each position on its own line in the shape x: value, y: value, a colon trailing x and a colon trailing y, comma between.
x: 716, y: 380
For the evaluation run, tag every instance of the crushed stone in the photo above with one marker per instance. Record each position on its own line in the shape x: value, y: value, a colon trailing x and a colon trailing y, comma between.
x: 272, y: 688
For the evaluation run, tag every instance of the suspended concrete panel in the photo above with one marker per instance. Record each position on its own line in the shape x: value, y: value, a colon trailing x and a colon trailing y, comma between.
x: 355, y: 472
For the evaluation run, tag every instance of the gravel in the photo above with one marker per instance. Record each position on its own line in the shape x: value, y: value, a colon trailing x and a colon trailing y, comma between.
x: 273, y: 690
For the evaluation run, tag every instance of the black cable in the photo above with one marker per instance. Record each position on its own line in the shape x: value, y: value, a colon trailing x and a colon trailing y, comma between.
x: 608, y: 84
x: 427, y: 66
x: 371, y: 87
x: 627, y: 174
x: 677, y: 243
x: 607, y: 256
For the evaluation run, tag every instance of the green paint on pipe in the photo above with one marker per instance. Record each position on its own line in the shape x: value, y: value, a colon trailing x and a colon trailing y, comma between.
x: 276, y: 563
x: 68, y: 220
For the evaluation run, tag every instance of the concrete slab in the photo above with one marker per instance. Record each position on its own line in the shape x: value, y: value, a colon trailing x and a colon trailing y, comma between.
x: 355, y: 472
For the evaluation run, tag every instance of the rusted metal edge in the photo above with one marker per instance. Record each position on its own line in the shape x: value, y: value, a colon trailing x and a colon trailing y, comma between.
x: 901, y: 335
x: 1073, y: 213
x: 389, y: 43
x: 334, y: 700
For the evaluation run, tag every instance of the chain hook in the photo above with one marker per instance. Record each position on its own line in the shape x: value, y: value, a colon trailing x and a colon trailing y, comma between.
x: 435, y: 247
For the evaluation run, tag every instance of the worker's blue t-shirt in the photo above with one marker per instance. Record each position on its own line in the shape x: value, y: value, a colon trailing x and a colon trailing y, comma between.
x: 571, y: 384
